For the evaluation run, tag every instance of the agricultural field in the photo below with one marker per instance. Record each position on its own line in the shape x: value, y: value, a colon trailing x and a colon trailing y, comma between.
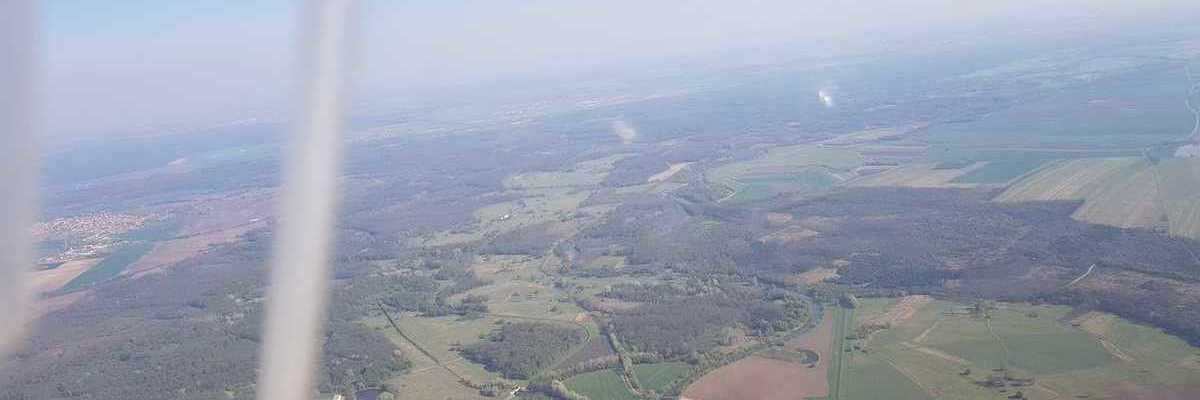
x: 52, y: 279
x: 430, y: 377
x: 784, y: 169
x: 999, y: 171
x: 763, y: 377
x: 762, y: 188
x: 1125, y: 108
x: 943, y: 350
x: 921, y: 175
x: 1076, y: 179
x: 1181, y: 195
x: 659, y: 376
x: 605, y: 384
x: 111, y: 267
x: 1120, y: 192
x: 1124, y: 192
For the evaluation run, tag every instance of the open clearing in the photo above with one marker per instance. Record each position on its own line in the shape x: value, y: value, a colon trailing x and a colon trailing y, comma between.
x: 814, y: 276
x: 758, y: 377
x: 668, y: 173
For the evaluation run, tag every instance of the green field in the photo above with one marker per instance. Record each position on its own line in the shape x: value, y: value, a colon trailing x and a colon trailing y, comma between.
x: 600, y: 385
x: 842, y: 319
x: 659, y: 376
x: 868, y: 378
x: 110, y: 267
x: 1000, y: 171
x: 942, y: 351
x: 784, y: 169
x: 765, y: 187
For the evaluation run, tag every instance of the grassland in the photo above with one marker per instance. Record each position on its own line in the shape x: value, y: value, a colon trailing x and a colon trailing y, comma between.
x: 659, y: 376
x: 110, y: 267
x: 838, y: 357
x: 784, y: 169
x: 944, y: 351
x: 600, y: 385
x: 761, y: 188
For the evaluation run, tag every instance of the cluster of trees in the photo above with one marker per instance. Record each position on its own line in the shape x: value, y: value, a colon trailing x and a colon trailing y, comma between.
x: 684, y: 325
x: 519, y: 350
x: 424, y: 294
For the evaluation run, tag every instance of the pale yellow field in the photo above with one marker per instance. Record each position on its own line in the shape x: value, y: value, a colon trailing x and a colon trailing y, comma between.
x: 915, y: 175
x: 1068, y: 180
x: 1126, y: 192
x: 1181, y: 195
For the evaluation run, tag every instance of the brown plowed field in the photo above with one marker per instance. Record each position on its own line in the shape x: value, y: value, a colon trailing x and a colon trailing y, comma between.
x: 759, y: 378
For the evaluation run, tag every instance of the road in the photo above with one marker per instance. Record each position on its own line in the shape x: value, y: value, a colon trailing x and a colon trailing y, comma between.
x: 1085, y: 275
x: 1193, y: 91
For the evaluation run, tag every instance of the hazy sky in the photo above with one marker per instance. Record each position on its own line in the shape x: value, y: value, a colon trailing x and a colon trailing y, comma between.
x: 120, y: 65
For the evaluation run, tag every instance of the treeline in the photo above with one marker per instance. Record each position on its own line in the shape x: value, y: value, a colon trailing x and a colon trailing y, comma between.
x: 519, y: 350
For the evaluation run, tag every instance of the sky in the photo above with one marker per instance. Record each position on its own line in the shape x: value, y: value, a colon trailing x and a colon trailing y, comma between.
x: 147, y: 66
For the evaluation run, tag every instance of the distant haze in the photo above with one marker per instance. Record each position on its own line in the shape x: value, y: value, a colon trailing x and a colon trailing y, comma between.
x: 122, y: 66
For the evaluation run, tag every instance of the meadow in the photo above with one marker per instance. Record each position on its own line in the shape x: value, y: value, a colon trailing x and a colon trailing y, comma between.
x: 784, y: 169
x: 604, y: 384
x: 950, y: 350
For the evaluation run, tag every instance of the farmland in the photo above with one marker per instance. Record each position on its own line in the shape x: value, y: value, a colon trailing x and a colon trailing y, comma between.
x: 110, y: 267
x: 772, y: 378
x: 984, y: 215
x: 605, y: 384
x: 1180, y: 191
x: 1076, y: 179
x: 785, y: 169
x: 949, y: 350
x: 1122, y: 192
x: 660, y: 376
x: 926, y: 175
